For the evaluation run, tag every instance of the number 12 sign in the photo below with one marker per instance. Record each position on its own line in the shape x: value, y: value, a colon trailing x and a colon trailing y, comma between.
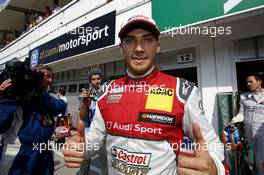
x: 185, y: 57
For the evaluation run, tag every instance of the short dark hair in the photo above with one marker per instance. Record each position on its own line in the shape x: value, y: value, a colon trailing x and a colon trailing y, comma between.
x: 41, y: 67
x: 62, y: 91
x: 95, y: 71
x: 258, y: 75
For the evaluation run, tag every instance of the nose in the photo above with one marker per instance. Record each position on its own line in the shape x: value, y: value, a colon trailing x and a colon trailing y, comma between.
x: 139, y: 47
x: 50, y: 79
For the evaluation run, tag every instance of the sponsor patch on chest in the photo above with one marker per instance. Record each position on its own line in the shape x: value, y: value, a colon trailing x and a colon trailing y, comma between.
x: 160, y: 99
x: 114, y: 98
x: 129, y: 162
x: 137, y: 128
x: 156, y: 118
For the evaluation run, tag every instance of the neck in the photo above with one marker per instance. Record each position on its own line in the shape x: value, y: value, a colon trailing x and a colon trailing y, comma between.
x: 259, y: 90
x: 140, y: 76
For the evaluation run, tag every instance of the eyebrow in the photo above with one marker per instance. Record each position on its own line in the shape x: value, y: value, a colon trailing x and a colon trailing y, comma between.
x: 145, y: 35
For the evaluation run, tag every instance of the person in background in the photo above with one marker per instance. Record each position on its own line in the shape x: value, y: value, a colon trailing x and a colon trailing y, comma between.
x: 55, y: 6
x: 62, y: 119
x: 7, y: 110
x: 251, y: 112
x: 142, y: 117
x: 61, y: 95
x: 89, y: 99
x: 27, y: 127
x: 47, y: 12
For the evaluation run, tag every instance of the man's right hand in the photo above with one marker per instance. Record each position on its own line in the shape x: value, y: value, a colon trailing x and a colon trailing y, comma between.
x: 74, y: 148
x: 85, y: 94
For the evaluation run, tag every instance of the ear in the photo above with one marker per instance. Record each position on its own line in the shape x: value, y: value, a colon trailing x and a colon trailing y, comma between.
x: 158, y: 47
x: 121, y: 48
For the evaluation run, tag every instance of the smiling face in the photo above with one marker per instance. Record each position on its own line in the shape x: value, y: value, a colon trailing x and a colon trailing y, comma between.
x: 139, y: 47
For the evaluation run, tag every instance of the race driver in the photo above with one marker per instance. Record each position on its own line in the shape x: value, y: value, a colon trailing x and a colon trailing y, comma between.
x: 143, y: 116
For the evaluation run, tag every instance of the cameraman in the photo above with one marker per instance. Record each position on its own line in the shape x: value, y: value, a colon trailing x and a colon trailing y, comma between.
x: 33, y: 130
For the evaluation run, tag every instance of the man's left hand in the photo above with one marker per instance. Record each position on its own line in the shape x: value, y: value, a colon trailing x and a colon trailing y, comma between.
x: 201, y: 163
x: 5, y: 84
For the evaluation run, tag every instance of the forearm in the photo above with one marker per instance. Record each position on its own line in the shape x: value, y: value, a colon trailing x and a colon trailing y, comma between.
x: 195, y: 114
x: 7, y: 110
x: 238, y: 118
x: 52, y: 105
x: 96, y: 135
x: 83, y: 111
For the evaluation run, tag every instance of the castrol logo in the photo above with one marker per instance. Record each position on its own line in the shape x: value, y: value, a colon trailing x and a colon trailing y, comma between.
x: 131, y: 158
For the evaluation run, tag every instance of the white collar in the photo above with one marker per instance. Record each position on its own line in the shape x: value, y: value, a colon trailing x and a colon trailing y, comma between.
x: 141, y: 76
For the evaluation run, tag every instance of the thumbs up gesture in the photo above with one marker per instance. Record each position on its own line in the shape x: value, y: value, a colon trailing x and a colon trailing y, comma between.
x: 201, y: 163
x: 74, y: 148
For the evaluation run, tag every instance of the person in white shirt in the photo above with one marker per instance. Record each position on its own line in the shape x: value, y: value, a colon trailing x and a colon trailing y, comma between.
x: 251, y: 112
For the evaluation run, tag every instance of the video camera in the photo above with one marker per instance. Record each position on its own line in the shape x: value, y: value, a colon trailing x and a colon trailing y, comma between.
x: 24, y: 84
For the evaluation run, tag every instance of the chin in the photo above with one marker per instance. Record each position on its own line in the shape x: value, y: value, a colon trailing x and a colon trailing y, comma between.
x: 140, y: 72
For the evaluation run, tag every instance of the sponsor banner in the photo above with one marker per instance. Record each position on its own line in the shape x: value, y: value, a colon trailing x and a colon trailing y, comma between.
x: 156, y: 118
x: 181, y: 12
x: 95, y: 34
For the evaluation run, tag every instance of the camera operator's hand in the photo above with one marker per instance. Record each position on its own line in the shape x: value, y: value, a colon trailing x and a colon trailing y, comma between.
x: 5, y: 84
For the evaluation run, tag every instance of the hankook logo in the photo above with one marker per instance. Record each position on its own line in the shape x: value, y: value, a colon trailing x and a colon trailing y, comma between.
x: 156, y: 118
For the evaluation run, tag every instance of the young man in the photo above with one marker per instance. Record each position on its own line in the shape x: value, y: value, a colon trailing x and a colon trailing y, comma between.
x: 89, y: 99
x: 252, y: 113
x: 89, y: 96
x: 61, y: 95
x: 143, y: 116
x: 27, y: 130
